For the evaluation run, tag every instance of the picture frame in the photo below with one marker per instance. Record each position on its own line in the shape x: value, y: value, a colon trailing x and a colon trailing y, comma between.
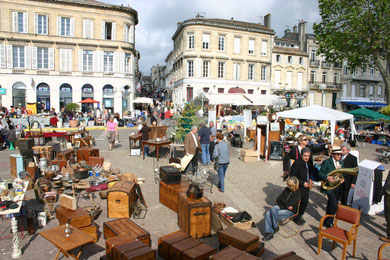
x: 275, y: 126
x: 276, y: 151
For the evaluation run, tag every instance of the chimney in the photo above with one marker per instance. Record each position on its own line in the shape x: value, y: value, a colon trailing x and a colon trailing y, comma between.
x: 295, y: 29
x: 267, y: 21
x: 301, y: 34
x: 287, y: 31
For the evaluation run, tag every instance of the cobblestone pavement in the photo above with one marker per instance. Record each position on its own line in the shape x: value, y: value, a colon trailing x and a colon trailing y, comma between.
x: 249, y: 186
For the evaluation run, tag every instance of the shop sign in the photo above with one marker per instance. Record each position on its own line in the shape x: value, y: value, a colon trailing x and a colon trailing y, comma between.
x: 2, y: 91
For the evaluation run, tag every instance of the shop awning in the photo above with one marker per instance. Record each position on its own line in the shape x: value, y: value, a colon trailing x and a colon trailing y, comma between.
x: 236, y: 90
x: 228, y: 99
x: 365, y: 104
x: 266, y: 100
x: 143, y: 100
x: 368, y: 113
x: 89, y: 101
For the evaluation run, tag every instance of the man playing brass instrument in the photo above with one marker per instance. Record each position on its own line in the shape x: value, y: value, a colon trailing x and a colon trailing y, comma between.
x: 328, y: 166
x: 348, y: 161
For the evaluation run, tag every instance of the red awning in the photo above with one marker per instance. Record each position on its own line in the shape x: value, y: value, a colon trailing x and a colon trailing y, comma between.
x: 89, y: 101
x: 236, y: 90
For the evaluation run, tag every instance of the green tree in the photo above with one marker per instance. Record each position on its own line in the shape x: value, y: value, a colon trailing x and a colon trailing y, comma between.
x: 357, y: 31
x: 385, y: 110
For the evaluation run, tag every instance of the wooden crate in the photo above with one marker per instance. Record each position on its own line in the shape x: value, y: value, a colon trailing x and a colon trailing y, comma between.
x: 77, y: 218
x: 240, y: 239
x: 168, y: 194
x: 176, y: 250
x: 231, y: 253
x: 194, y: 216
x: 84, y: 153
x: 91, y: 230
x: 125, y: 226
x: 120, y: 249
x: 121, y: 199
x: 165, y: 242
x: 111, y: 242
x: 142, y: 253
x: 199, y: 252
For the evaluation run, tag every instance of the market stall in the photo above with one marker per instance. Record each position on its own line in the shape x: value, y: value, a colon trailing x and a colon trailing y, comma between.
x: 316, y: 112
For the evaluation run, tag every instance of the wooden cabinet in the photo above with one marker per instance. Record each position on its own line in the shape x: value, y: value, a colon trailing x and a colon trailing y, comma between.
x: 194, y: 216
x: 16, y: 162
x: 121, y: 200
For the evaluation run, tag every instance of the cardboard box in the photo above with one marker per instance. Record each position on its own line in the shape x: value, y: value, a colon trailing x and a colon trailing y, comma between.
x: 135, y: 152
x: 249, y: 152
x: 249, y: 158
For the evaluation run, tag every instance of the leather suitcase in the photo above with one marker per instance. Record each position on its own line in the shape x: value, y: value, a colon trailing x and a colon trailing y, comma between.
x: 117, y: 240
x: 168, y: 194
x: 199, y: 252
x: 240, y: 239
x: 165, y: 242
x: 91, y: 230
x: 194, y: 216
x: 125, y: 226
x: 170, y: 174
x: 142, y: 253
x: 176, y: 249
x: 231, y: 253
x: 77, y: 218
x: 119, y: 249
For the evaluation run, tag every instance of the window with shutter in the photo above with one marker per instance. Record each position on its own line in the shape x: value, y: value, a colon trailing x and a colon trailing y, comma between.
x: 27, y: 57
x: 221, y: 43
x: 190, y: 68
x: 2, y: 56
x: 125, y: 33
x: 51, y: 58
x: 236, y: 71
x: 132, y: 29
x: 15, y: 21
x: 300, y: 81
x: 108, y: 61
x: 264, y: 48
x: 59, y: 26
x: 103, y: 30
x: 18, y: 57
x: 206, y: 41
x: 237, y: 47
x: 62, y: 60
x: 34, y: 58
x: 80, y: 60
x: 9, y: 57
x: 251, y: 71
x: 289, y: 79
x: 40, y: 24
x: 277, y: 79
x: 251, y: 47
x: 263, y: 76
x: 71, y: 34
x: 191, y: 41
x: 25, y: 22
x: 113, y: 31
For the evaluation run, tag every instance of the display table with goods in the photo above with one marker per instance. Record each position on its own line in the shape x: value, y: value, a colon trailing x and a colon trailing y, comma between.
x: 157, y: 143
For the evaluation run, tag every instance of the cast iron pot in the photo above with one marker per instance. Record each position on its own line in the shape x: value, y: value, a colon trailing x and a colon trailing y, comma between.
x: 81, y: 173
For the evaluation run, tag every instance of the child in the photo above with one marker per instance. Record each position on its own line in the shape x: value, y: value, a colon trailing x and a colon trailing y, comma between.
x: 287, y: 205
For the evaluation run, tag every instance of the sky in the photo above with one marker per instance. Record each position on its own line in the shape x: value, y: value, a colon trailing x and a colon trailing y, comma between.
x: 157, y: 20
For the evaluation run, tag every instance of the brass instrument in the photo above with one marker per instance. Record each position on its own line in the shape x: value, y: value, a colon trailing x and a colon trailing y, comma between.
x: 338, y: 177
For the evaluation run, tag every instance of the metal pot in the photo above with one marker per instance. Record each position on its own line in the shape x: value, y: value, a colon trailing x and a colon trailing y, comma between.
x: 81, y: 173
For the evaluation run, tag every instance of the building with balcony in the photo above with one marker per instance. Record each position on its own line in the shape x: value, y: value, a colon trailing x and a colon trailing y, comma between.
x: 158, y: 81
x: 221, y: 56
x: 61, y: 51
x: 363, y: 87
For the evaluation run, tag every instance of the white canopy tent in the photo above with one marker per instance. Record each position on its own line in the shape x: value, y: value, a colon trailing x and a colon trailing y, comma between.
x: 143, y: 100
x: 228, y: 99
x: 316, y: 112
x: 266, y: 100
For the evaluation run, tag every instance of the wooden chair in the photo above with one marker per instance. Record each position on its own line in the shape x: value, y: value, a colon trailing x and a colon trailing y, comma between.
x: 284, y: 225
x: 381, y: 250
x: 345, y: 237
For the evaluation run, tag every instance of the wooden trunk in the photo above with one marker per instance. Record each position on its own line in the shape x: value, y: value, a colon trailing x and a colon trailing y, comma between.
x: 77, y: 218
x: 121, y: 199
x: 200, y: 252
x: 194, y: 216
x: 92, y: 231
x: 119, y: 249
x: 176, y: 249
x: 125, y: 226
x: 169, y: 193
x: 84, y: 153
x: 165, y: 242
x: 93, y: 161
x: 231, y: 253
x: 111, y: 242
x: 142, y: 253
x: 65, y: 155
x: 239, y: 239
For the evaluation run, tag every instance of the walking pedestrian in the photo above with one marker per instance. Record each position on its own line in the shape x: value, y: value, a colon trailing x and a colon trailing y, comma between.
x: 204, y: 135
x: 111, y: 132
x: 221, y: 153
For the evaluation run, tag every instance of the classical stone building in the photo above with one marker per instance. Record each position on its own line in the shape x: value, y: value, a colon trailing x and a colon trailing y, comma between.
x: 220, y: 56
x: 61, y: 51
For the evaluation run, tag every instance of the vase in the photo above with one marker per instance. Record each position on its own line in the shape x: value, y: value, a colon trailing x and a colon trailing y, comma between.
x: 73, y: 123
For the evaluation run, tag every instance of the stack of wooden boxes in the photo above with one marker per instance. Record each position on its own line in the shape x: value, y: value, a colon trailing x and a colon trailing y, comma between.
x: 248, y: 155
x: 84, y: 153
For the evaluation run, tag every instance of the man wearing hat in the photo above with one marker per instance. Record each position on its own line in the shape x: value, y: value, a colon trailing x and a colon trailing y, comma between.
x: 331, y: 164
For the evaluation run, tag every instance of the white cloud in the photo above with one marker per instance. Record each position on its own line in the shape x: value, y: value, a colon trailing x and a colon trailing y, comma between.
x: 158, y: 19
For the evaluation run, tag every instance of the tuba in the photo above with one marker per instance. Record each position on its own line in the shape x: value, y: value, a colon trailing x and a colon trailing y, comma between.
x: 338, y: 177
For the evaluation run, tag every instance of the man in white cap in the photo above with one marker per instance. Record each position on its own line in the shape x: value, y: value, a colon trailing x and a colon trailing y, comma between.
x: 331, y: 164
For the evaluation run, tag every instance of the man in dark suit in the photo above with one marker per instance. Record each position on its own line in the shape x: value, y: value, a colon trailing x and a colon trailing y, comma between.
x: 294, y: 154
x: 348, y: 161
x: 327, y: 166
x: 302, y: 170
x: 192, y: 146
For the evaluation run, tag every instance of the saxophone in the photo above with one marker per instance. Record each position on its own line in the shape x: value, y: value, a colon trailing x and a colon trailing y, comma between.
x: 338, y: 177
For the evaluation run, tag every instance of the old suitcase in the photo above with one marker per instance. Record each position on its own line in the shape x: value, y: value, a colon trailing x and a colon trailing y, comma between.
x: 91, y: 230
x: 84, y: 153
x: 199, y: 252
x: 239, y: 239
x: 65, y: 155
x: 170, y: 174
x: 176, y: 249
x: 119, y: 249
x: 231, y: 253
x: 168, y: 194
x: 125, y: 226
x: 93, y: 161
x: 117, y: 240
x: 194, y: 216
x: 77, y: 218
x: 142, y: 253
x: 165, y: 242
x: 121, y: 199
x: 25, y: 143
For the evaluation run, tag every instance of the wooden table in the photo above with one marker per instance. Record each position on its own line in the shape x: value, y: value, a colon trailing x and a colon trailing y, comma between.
x: 65, y: 244
x: 156, y: 144
x: 133, y: 139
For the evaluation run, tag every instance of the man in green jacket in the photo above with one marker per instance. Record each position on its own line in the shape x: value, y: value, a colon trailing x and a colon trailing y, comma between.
x: 333, y: 163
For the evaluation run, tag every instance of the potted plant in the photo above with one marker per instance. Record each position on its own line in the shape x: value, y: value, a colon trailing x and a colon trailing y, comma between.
x: 72, y: 108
